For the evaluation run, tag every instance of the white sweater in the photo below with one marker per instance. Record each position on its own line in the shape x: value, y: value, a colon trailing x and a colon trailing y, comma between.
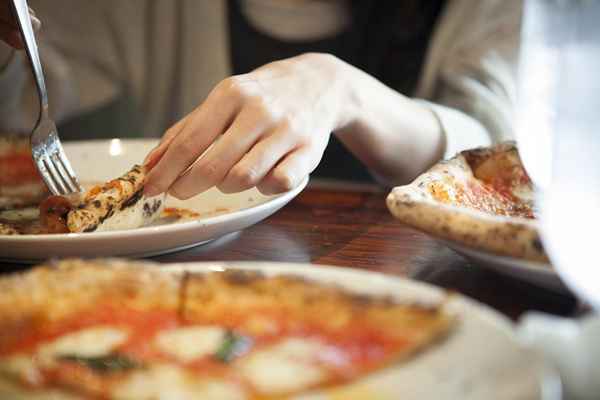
x: 170, y: 54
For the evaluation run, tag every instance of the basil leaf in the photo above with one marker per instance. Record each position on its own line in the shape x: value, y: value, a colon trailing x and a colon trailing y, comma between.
x: 104, y: 364
x: 233, y: 346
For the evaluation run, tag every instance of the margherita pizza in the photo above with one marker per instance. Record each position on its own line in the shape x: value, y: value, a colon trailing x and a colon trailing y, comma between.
x: 112, y: 329
x: 482, y: 198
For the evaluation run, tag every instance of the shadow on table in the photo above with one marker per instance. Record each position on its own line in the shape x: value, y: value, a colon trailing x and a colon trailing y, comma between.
x: 451, y: 271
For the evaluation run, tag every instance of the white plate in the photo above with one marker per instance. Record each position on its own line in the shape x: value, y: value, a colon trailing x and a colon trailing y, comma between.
x: 539, y: 274
x: 107, y: 159
x: 481, y: 359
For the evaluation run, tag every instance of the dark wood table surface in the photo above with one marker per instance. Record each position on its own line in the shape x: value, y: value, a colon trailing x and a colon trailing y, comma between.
x: 350, y: 226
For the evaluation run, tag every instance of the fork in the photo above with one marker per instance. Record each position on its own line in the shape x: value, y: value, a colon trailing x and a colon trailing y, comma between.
x: 46, y: 150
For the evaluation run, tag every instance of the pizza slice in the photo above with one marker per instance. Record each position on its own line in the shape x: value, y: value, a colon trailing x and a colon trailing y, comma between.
x: 482, y: 198
x: 114, y: 205
x: 117, y: 204
x: 20, y: 183
x: 99, y: 329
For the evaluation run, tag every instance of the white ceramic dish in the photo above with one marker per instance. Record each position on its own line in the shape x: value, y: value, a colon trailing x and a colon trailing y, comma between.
x: 481, y: 359
x: 106, y: 159
x: 539, y: 274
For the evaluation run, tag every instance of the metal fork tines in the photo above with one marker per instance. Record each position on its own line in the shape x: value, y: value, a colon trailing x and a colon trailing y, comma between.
x: 52, y: 161
x: 47, y: 152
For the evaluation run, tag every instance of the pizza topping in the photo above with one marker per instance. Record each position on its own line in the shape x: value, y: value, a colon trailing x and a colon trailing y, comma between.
x: 220, y: 336
x: 190, y: 343
x: 103, y: 364
x: 282, y: 368
x: 232, y: 346
x: 97, y: 341
x: 18, y: 168
x: 53, y: 214
x: 164, y: 381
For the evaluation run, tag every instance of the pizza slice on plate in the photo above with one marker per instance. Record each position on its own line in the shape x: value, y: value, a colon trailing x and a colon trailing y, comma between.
x: 116, y: 329
x: 117, y: 204
x: 481, y: 198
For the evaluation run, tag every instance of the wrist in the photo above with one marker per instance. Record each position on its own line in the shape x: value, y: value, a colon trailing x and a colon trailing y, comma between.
x: 350, y: 86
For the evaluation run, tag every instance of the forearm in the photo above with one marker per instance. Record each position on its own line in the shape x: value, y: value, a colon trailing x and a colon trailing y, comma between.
x: 395, y: 137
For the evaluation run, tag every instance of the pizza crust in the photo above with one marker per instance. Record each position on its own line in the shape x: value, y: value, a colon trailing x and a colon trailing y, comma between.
x: 421, y: 206
x: 118, y: 204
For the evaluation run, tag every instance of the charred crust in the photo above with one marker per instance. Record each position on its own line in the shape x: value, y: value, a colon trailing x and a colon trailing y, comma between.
x: 91, y: 228
x: 109, y: 213
x: 147, y: 210
x: 156, y: 206
x: 241, y: 277
x: 183, y: 295
x: 133, y: 199
x: 536, y: 243
x: 150, y: 210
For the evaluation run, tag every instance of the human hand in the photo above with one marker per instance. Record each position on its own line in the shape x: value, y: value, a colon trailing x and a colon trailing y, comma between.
x: 268, y: 128
x: 9, y: 28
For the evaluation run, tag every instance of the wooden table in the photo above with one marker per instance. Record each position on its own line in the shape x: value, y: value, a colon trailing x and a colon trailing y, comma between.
x: 351, y: 227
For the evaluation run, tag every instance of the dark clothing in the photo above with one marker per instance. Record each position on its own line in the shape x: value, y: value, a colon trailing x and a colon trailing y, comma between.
x: 387, y: 39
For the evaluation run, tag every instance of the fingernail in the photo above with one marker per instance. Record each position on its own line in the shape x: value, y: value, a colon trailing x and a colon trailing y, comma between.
x: 36, y: 23
x: 152, y: 159
x: 149, y: 156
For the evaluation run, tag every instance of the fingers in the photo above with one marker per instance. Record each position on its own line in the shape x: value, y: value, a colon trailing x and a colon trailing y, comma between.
x: 290, y: 172
x: 205, y: 124
x: 213, y: 166
x: 156, y: 153
x: 257, y: 163
x: 9, y: 28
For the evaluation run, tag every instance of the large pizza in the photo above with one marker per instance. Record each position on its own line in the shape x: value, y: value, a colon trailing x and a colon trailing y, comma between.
x: 481, y: 198
x: 120, y: 330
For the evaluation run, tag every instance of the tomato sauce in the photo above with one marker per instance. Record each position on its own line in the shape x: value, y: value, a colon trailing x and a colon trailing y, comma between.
x: 18, y: 168
x: 351, y: 350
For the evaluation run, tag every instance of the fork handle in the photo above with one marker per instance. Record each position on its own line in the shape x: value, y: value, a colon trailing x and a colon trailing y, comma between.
x: 21, y: 10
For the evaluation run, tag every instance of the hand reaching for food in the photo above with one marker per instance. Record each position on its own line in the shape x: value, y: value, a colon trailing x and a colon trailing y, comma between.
x: 268, y: 128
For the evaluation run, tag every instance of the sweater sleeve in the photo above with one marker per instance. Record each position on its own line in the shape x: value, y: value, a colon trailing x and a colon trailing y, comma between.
x: 76, y: 80
x: 470, y: 84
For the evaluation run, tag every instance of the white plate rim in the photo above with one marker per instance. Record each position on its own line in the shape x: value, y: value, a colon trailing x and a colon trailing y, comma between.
x: 163, y: 229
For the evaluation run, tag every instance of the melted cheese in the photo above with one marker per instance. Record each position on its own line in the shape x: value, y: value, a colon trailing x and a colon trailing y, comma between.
x: 190, y: 343
x: 20, y: 214
x: 288, y: 366
x: 172, y: 382
x: 91, y: 342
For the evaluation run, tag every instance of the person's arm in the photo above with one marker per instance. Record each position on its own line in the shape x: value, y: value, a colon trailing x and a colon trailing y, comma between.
x: 470, y: 76
x: 394, y: 136
x: 269, y: 129
x: 74, y: 82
